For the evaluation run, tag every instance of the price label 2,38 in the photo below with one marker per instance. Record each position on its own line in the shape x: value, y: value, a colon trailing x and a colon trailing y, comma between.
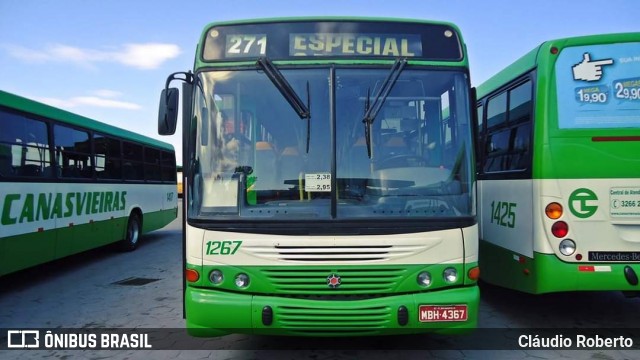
x: 317, y: 182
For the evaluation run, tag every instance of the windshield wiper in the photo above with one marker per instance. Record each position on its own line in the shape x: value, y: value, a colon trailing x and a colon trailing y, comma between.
x: 371, y: 111
x: 281, y: 83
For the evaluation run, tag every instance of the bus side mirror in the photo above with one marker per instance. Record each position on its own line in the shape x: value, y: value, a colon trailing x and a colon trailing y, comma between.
x: 168, y: 111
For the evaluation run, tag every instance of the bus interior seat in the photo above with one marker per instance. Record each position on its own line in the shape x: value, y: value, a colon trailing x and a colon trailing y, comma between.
x: 129, y: 171
x: 87, y: 172
x: 360, y: 164
x: 52, y: 171
x: 520, y: 148
x: 265, y: 166
x: 6, y: 167
x: 30, y: 170
x: 291, y: 165
x: 395, y: 145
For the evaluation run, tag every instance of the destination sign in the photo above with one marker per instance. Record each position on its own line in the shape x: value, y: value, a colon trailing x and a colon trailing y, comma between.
x: 246, y: 45
x: 328, y: 44
x: 281, y: 40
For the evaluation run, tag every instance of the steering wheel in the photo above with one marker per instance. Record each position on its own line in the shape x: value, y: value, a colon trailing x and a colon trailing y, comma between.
x: 402, y: 161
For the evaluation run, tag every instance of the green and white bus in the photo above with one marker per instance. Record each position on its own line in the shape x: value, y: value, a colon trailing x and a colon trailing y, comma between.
x: 329, y: 178
x: 559, y: 167
x: 69, y: 184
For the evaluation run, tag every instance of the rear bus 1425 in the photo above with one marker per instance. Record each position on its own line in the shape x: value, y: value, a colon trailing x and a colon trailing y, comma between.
x: 559, y: 167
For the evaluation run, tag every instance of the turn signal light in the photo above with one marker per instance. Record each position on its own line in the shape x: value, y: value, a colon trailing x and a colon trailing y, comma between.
x: 192, y: 275
x: 553, y: 210
x: 474, y: 273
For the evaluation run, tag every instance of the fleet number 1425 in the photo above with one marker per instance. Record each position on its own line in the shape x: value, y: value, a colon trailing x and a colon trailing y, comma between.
x: 503, y: 213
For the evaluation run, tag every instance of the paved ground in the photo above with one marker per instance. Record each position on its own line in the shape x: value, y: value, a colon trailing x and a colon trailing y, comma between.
x: 81, y: 293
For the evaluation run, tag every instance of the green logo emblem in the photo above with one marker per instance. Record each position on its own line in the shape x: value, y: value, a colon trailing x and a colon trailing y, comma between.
x: 578, y: 203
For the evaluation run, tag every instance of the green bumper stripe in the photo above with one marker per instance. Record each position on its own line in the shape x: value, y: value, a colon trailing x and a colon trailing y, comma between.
x: 214, y: 313
x: 546, y: 273
x: 365, y: 303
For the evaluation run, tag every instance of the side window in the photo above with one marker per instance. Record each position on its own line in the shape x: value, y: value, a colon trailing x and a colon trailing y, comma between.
x: 108, y: 157
x: 479, y: 136
x: 24, y: 147
x: 152, y: 164
x: 520, y: 150
x: 520, y: 109
x: 520, y: 103
x: 497, y: 111
x: 497, y: 151
x: 73, y: 152
x: 507, y: 145
x: 480, y: 110
x: 168, y: 167
x: 132, y: 164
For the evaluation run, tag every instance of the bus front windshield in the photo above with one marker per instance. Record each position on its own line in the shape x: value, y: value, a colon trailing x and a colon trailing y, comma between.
x: 253, y: 157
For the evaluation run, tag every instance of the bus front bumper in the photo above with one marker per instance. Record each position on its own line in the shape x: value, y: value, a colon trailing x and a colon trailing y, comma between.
x: 216, y: 313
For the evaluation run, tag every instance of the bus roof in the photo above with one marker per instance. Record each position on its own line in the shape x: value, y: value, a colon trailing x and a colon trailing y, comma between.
x: 542, y: 53
x: 20, y: 103
x: 327, y: 18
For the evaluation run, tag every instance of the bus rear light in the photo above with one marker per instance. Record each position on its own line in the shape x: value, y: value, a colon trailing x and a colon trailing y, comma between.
x: 520, y: 259
x: 578, y: 257
x: 560, y: 229
x: 567, y: 247
x: 192, y: 275
x: 474, y: 273
x: 553, y: 211
x: 554, y: 50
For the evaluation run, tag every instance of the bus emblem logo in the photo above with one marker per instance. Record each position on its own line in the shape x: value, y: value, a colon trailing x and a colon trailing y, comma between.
x: 581, y: 203
x: 334, y: 281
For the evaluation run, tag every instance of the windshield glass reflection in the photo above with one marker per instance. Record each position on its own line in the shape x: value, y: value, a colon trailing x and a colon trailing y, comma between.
x: 250, y: 146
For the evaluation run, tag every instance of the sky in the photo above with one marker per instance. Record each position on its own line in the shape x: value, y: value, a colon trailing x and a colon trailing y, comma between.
x: 108, y: 60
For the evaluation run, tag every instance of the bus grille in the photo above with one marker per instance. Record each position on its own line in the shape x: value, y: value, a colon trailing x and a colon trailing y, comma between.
x: 354, y: 281
x: 334, y: 254
x: 319, y: 320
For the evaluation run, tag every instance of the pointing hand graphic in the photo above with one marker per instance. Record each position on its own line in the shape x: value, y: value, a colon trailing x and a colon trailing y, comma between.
x: 588, y: 70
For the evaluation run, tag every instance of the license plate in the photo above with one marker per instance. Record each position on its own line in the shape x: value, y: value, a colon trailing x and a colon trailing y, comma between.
x: 442, y: 313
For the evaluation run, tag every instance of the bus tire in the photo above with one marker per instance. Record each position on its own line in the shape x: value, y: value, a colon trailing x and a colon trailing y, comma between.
x: 132, y: 235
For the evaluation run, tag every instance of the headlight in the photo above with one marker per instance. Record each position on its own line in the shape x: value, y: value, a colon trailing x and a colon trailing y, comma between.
x: 216, y: 277
x: 242, y: 280
x: 450, y: 275
x: 567, y: 247
x: 424, y: 279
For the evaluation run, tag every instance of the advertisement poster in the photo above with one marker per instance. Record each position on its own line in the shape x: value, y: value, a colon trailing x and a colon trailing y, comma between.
x: 598, y: 86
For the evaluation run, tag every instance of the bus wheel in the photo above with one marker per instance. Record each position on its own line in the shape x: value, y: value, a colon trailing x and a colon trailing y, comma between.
x: 132, y: 236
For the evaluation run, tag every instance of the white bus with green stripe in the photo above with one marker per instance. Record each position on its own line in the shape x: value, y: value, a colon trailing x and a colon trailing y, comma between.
x: 559, y: 167
x: 69, y: 184
x: 329, y: 181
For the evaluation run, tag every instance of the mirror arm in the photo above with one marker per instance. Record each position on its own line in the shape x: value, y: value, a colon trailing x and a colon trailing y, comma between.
x: 188, y: 78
